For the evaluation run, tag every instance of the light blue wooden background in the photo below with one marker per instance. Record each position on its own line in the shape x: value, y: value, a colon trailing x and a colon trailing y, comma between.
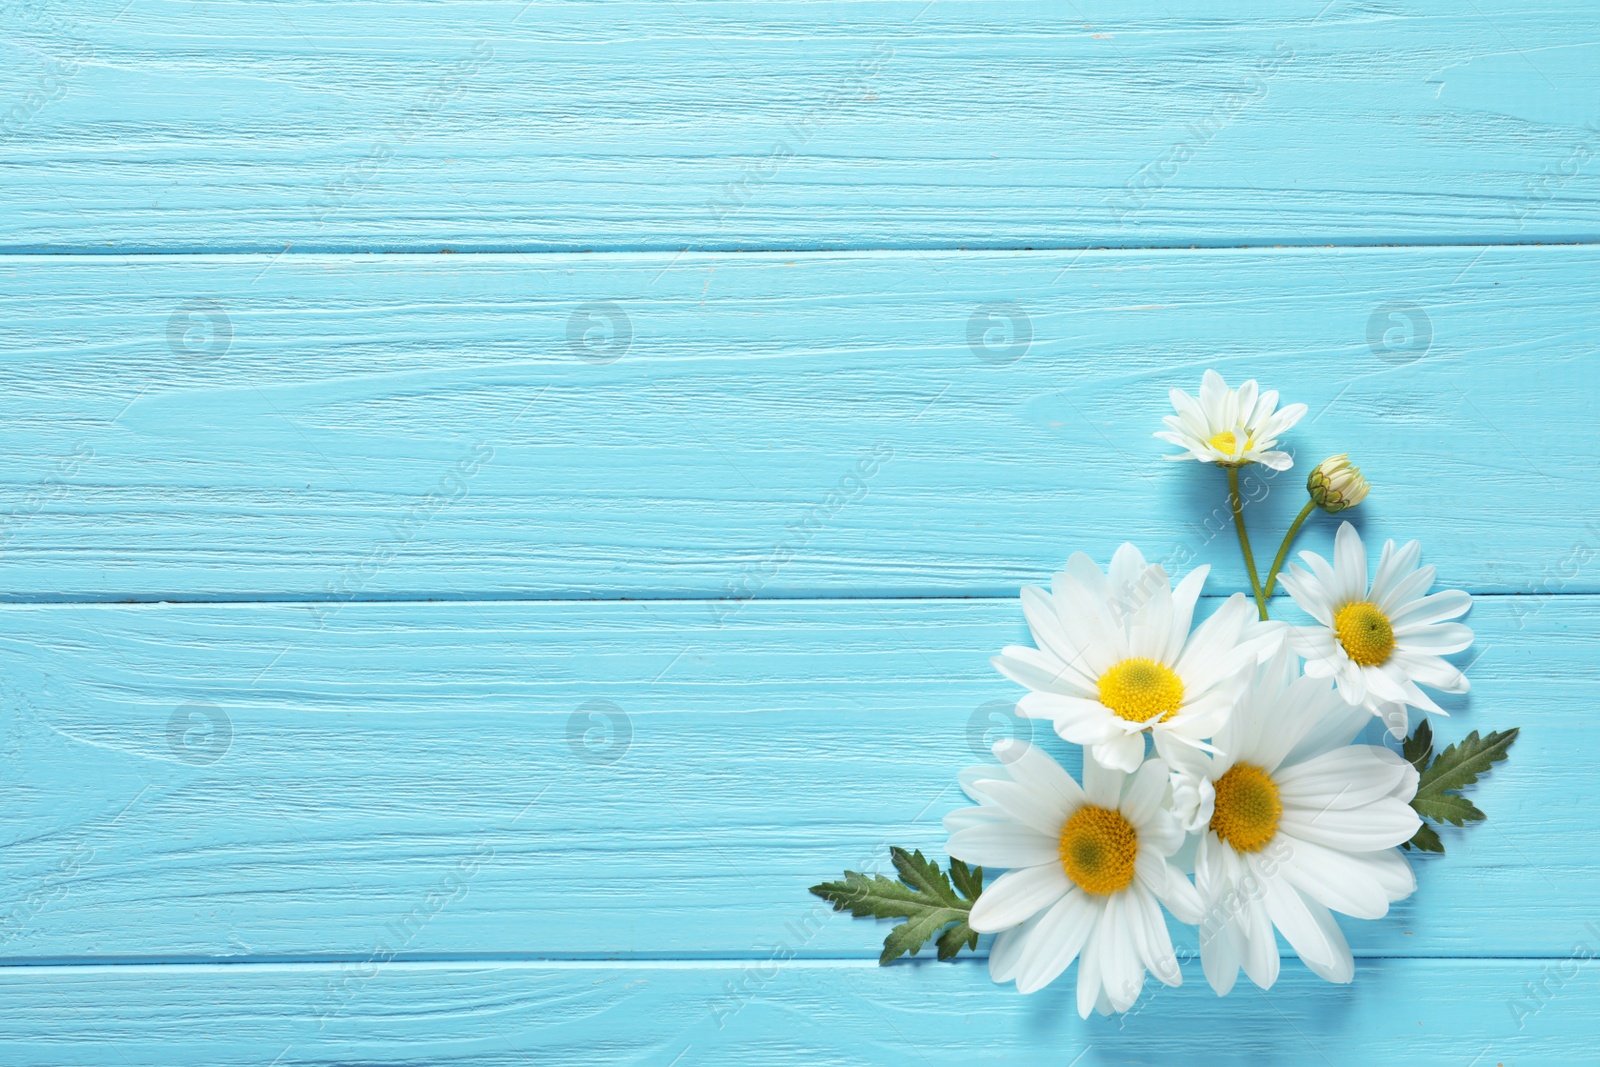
x: 470, y: 658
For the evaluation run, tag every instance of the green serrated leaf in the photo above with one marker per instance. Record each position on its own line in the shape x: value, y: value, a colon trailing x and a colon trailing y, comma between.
x: 968, y: 880
x: 1459, y: 765
x: 1441, y: 776
x: 1451, y: 808
x: 1426, y: 839
x: 955, y: 938
x: 924, y: 897
x: 1419, y: 746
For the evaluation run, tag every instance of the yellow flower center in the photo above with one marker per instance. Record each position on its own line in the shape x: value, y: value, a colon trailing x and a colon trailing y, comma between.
x: 1140, y: 689
x: 1227, y: 441
x: 1098, y: 847
x: 1248, y: 808
x: 1365, y: 633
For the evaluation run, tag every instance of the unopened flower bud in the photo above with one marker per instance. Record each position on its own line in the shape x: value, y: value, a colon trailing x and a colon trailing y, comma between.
x: 1336, y: 484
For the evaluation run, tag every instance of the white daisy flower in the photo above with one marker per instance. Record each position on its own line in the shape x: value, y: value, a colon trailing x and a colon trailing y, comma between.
x: 1379, y: 643
x: 1296, y: 823
x: 1230, y: 427
x: 1086, y: 870
x: 1116, y: 658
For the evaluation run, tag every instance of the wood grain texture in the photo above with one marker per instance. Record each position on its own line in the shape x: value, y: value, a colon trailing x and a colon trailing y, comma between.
x: 846, y: 425
x: 163, y: 125
x: 764, y: 1013
x: 550, y: 621
x: 605, y: 780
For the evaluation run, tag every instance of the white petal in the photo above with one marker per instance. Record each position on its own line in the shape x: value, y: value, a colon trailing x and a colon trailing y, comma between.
x: 1344, y: 778
x: 1260, y: 956
x: 1290, y: 415
x: 1144, y: 792
x: 1310, y: 931
x: 1435, y: 607
x: 1086, y: 614
x: 976, y: 815
x: 1291, y: 914
x: 1121, y: 971
x: 1127, y: 567
x: 1393, y: 567
x: 1118, y: 754
x: 1031, y: 766
x: 1338, y: 880
x: 1343, y: 968
x: 1392, y: 871
x: 1430, y: 671
x: 968, y: 777
x: 1081, y: 569
x: 1349, y: 564
x: 1040, y: 611
x: 1151, y: 939
x: 1438, y: 639
x: 1017, y: 896
x: 1044, y: 812
x: 1083, y: 722
x: 1221, y: 949
x: 1055, y: 944
x: 1385, y: 683
x: 1169, y: 886
x: 1307, y: 592
x: 1358, y: 884
x: 1184, y: 598
x: 1005, y: 845
x: 1150, y: 627
x: 1381, y: 824
x: 1089, y: 986
x: 1212, y: 653
x: 1038, y: 670
x: 1102, y: 785
x: 1006, y: 952
x: 1406, y: 591
x: 1278, y: 461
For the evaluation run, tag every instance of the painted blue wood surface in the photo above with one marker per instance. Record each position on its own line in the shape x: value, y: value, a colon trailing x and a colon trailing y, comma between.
x: 670, y: 758
x: 427, y: 428
x: 514, y: 613
x: 171, y: 125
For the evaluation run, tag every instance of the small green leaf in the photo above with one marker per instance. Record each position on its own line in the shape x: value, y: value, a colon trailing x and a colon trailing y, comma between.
x: 1441, y: 776
x: 955, y: 938
x: 924, y: 897
x: 1426, y: 839
x: 1454, y: 809
x: 1419, y: 746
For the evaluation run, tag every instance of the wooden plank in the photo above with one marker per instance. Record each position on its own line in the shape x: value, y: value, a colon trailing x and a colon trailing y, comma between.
x: 765, y: 1012
x: 863, y: 424
x: 170, y: 126
x: 603, y: 779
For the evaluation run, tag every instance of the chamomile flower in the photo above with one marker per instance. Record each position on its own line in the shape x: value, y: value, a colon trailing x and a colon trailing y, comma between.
x: 1380, y: 643
x: 1087, y: 868
x: 1296, y: 823
x: 1230, y: 427
x: 1116, y: 657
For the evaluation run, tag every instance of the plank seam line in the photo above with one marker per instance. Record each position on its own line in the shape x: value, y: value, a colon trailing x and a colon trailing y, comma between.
x: 598, y: 963
x: 633, y: 598
x: 24, y: 252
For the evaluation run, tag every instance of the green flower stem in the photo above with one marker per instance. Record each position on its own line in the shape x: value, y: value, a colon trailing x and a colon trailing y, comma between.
x: 1283, y: 549
x: 1244, y: 541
